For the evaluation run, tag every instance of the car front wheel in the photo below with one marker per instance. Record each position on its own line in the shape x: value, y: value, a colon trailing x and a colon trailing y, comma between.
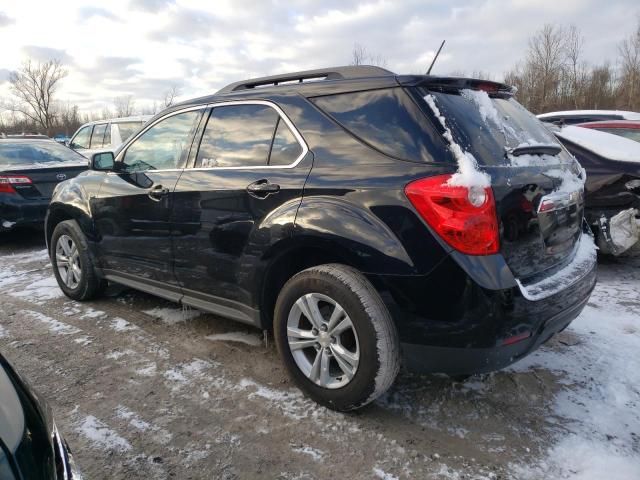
x: 72, y: 264
x: 336, y: 337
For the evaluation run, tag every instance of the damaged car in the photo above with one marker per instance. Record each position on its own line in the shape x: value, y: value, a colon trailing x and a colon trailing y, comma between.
x: 612, y: 189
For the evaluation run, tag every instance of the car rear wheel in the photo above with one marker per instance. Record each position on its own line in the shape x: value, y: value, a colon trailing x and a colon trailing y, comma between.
x: 336, y: 337
x: 72, y: 264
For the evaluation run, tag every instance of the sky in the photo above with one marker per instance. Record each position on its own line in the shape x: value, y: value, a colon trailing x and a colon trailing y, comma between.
x: 143, y: 47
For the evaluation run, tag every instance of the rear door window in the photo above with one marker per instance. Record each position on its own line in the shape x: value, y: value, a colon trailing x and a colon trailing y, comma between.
x: 237, y: 136
x: 388, y: 120
x: 82, y: 138
x: 285, y: 149
x: 97, y: 137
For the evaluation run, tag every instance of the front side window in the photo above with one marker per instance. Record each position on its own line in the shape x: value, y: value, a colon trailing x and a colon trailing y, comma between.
x: 82, y: 138
x: 97, y: 137
x: 163, y: 146
x: 237, y: 136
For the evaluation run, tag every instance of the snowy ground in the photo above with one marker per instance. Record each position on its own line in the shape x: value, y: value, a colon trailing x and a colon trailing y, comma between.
x: 144, y: 390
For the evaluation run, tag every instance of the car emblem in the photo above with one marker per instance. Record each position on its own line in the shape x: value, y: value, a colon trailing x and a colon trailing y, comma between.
x: 61, y: 176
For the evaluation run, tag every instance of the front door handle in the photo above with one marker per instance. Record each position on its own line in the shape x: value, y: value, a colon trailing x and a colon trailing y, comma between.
x: 262, y: 188
x: 157, y: 192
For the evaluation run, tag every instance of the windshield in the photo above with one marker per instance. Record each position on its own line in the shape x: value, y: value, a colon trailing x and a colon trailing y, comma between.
x: 489, y: 127
x: 33, y: 153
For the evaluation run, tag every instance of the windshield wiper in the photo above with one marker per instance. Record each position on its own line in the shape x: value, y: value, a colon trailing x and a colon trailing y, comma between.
x: 537, y: 149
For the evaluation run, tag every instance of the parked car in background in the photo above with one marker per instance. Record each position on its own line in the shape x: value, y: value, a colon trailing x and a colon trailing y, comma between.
x: 31, y: 446
x: 625, y: 128
x: 338, y: 208
x: 29, y: 171
x: 105, y: 134
x: 62, y: 138
x: 612, y: 190
x: 571, y: 117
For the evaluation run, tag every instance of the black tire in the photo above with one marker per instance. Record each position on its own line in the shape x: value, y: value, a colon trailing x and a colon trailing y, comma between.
x: 90, y: 285
x: 379, y: 351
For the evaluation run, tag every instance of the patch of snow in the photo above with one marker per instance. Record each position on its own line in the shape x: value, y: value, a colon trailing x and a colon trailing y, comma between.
x: 101, y: 435
x: 184, y: 374
x: 381, y: 474
x: 3, y: 332
x: 468, y: 174
x: 83, y: 341
x: 52, y: 324
x: 597, y: 405
x: 134, y: 419
x: 8, y: 224
x: 241, y: 337
x: 581, y: 113
x: 607, y: 145
x: 121, y: 325
x: 171, y: 316
x: 147, y: 371
x: 45, y: 289
x: 118, y: 354
x: 314, y: 453
x: 91, y: 313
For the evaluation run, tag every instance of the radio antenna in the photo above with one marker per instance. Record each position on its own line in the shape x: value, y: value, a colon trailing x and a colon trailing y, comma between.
x: 436, y: 57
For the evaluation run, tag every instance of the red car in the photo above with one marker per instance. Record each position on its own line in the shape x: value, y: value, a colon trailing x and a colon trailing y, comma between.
x: 624, y: 128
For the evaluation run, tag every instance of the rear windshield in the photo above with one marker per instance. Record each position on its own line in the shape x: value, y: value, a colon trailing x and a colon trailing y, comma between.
x: 39, y: 152
x: 486, y: 126
x: 128, y: 128
x: 390, y: 121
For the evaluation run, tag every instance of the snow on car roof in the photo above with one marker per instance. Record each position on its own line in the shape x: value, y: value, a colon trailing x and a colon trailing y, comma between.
x: 604, y: 144
x: 577, y: 113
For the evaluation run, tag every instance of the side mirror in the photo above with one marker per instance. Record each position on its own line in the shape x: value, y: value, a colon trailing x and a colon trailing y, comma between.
x: 102, y: 161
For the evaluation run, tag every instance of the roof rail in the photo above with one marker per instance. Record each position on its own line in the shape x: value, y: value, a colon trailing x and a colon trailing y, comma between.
x: 332, y: 73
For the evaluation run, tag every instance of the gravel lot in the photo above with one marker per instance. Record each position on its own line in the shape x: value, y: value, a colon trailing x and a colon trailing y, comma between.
x: 143, y: 389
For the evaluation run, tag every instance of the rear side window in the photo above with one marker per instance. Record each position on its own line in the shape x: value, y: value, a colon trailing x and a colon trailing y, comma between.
x: 81, y: 140
x: 128, y: 128
x: 285, y: 149
x: 389, y: 121
x: 97, y: 137
x: 237, y: 136
x: 107, y: 136
x: 633, y: 134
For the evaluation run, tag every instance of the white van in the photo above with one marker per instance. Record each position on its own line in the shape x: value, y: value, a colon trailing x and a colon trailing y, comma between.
x: 106, y: 134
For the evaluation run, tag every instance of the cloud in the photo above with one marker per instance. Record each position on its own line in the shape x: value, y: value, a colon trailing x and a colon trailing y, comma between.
x: 111, y: 68
x: 150, y: 5
x: 4, y: 75
x: 5, y: 20
x: 187, y: 25
x: 86, y: 13
x: 44, y: 54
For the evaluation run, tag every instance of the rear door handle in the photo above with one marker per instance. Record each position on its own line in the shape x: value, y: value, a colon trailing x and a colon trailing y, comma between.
x: 157, y: 192
x: 262, y: 188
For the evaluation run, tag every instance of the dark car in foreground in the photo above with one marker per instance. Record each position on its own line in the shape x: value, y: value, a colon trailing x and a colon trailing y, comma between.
x: 30, y: 168
x: 363, y: 216
x: 624, y: 128
x: 31, y: 446
x: 612, y: 189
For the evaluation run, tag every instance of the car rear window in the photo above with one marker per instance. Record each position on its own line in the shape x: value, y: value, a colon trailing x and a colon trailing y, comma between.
x: 488, y: 126
x: 22, y: 153
x: 389, y: 121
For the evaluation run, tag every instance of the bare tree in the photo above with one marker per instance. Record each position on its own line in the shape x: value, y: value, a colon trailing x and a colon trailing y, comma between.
x: 125, y: 106
x: 34, y: 86
x: 170, y: 95
x: 361, y: 56
x: 574, y: 44
x: 629, y: 51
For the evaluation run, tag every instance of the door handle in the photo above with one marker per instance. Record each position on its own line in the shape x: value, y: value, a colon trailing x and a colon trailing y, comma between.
x: 157, y: 192
x: 262, y: 188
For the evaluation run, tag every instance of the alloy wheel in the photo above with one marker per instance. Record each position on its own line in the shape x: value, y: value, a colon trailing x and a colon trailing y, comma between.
x: 68, y: 261
x: 323, y: 340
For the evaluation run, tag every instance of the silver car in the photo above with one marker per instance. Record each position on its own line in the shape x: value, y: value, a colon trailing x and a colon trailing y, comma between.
x: 106, y: 134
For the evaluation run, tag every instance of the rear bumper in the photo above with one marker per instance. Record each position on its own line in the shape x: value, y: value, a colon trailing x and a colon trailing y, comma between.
x: 467, y: 361
x: 16, y: 211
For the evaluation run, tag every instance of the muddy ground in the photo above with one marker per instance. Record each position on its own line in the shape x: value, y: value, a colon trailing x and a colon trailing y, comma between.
x: 149, y: 396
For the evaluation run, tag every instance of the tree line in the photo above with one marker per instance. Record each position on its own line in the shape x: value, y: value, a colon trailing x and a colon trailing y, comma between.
x: 553, y: 75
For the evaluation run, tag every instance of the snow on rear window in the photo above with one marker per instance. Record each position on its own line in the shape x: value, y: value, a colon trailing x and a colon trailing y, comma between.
x: 606, y: 145
x: 468, y: 174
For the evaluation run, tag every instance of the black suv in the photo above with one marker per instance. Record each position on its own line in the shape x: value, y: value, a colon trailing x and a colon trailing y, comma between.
x: 362, y: 215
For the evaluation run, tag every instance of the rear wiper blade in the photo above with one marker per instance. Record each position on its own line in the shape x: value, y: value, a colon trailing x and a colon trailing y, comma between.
x: 536, y: 149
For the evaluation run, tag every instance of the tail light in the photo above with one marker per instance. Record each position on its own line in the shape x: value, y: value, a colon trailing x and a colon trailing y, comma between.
x: 8, y: 181
x: 465, y: 218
